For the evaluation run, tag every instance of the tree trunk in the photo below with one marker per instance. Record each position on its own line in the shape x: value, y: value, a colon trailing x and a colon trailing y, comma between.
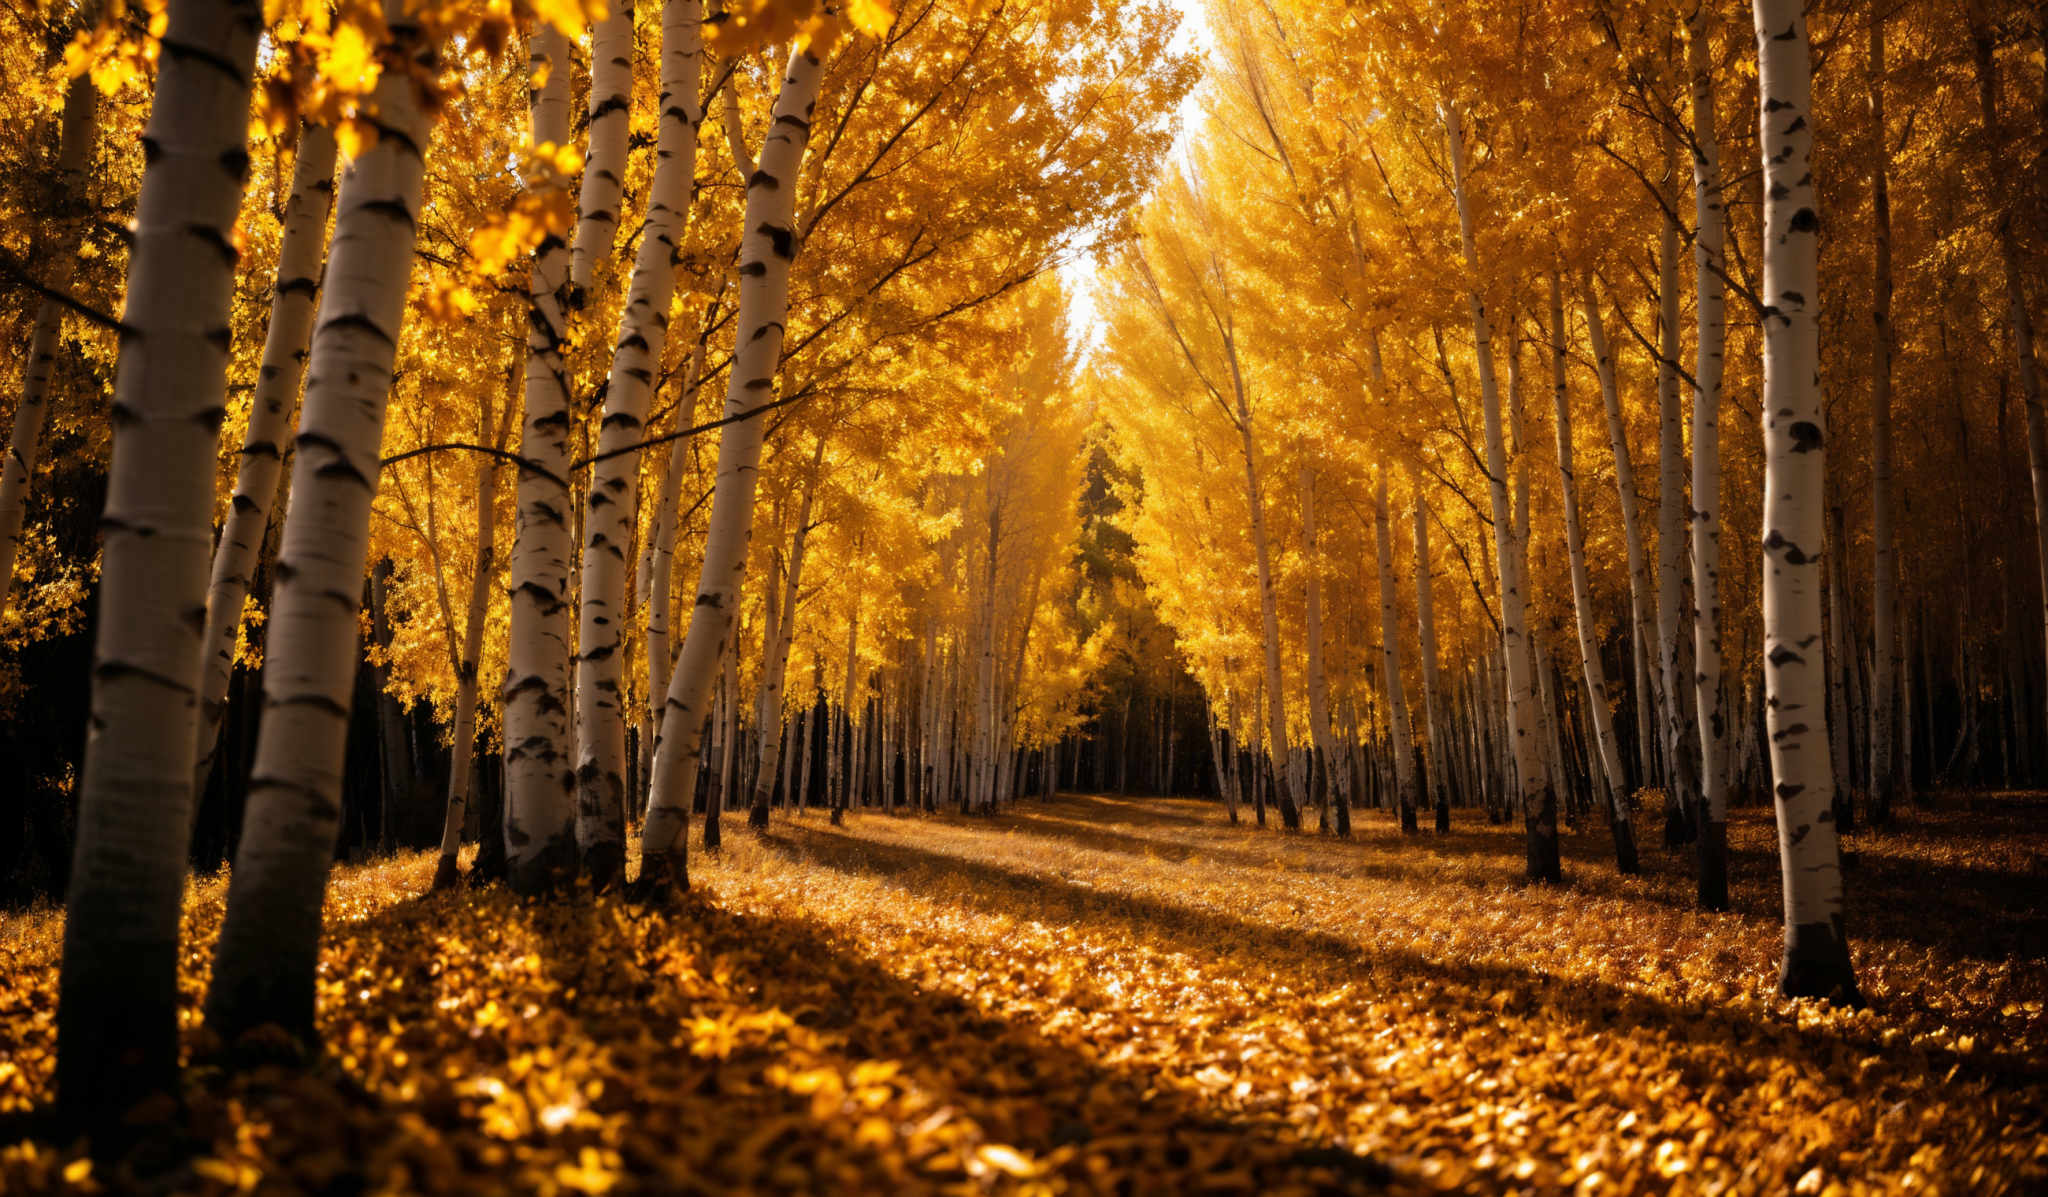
x: 265, y: 965
x: 2018, y: 314
x: 767, y: 247
x: 1709, y: 242
x: 610, y: 514
x: 117, y: 1014
x: 1609, y: 746
x: 293, y: 299
x: 540, y: 808
x: 1390, y: 666
x: 1312, y: 630
x: 610, y: 114
x: 57, y: 251
x: 1680, y: 804
x: 1539, y: 800
x: 1435, y: 733
x: 1816, y: 960
x: 1631, y: 529
x: 480, y: 585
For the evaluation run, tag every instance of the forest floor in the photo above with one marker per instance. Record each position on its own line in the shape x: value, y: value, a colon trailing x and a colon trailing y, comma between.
x: 1099, y: 994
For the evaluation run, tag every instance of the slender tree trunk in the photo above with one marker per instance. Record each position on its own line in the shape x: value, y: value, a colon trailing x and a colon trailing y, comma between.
x: 1425, y: 626
x: 775, y: 664
x: 265, y: 965
x: 1680, y: 805
x: 604, y: 167
x: 292, y: 303
x: 610, y: 514
x: 1816, y: 946
x: 1609, y: 746
x: 1539, y: 800
x: 1709, y: 242
x: 660, y: 583
x: 1631, y: 526
x: 1318, y: 684
x: 1390, y: 665
x: 1884, y: 781
x: 766, y: 250
x: 117, y: 1013
x: 2018, y: 314
x: 395, y: 752
x: 57, y: 252
x: 540, y: 808
x: 466, y: 661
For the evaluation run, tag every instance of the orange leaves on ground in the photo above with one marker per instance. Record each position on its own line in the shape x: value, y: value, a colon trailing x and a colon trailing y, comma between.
x: 1091, y: 995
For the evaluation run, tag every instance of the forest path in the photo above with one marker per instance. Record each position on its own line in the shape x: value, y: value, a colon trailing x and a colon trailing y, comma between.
x: 1093, y: 992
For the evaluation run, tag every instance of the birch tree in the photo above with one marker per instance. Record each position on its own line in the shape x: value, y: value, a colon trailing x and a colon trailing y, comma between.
x: 1539, y: 800
x: 293, y: 298
x: 77, y: 130
x: 1816, y: 960
x: 1709, y: 243
x: 539, y: 804
x: 117, y: 1012
x: 266, y: 961
x: 611, y: 503
x: 767, y: 248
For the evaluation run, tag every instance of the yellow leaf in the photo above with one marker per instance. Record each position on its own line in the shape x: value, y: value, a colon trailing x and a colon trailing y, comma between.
x: 872, y: 17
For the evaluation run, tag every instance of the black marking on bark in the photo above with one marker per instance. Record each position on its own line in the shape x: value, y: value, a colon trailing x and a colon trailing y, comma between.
x: 319, y: 702
x: 245, y: 505
x: 762, y: 178
x: 781, y: 240
x: 1804, y: 221
x: 1806, y: 437
x: 304, y: 284
x: 391, y: 209
x: 1782, y: 656
x: 358, y: 320
x: 215, y: 240
x: 753, y: 269
x: 121, y: 670
x: 187, y: 52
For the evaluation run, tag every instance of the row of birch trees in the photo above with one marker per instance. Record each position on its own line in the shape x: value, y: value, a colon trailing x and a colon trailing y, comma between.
x: 1404, y: 577
x: 517, y: 332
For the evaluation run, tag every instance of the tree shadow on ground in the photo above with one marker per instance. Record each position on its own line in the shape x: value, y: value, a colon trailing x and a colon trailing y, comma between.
x: 1978, y: 913
x: 1712, y: 1038
x: 706, y: 1087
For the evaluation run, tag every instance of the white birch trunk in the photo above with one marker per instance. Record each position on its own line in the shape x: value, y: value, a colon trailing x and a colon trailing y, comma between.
x: 767, y: 247
x: 293, y: 300
x: 1885, y: 781
x: 117, y: 1014
x: 2019, y: 314
x: 1390, y: 666
x: 1816, y: 960
x: 1539, y: 800
x: 1709, y: 244
x: 1609, y: 746
x: 540, y: 808
x: 268, y: 954
x: 775, y: 663
x: 57, y: 252
x: 464, y: 729
x: 1631, y: 526
x: 1318, y: 683
x: 1680, y: 801
x: 610, y: 506
x: 610, y: 115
